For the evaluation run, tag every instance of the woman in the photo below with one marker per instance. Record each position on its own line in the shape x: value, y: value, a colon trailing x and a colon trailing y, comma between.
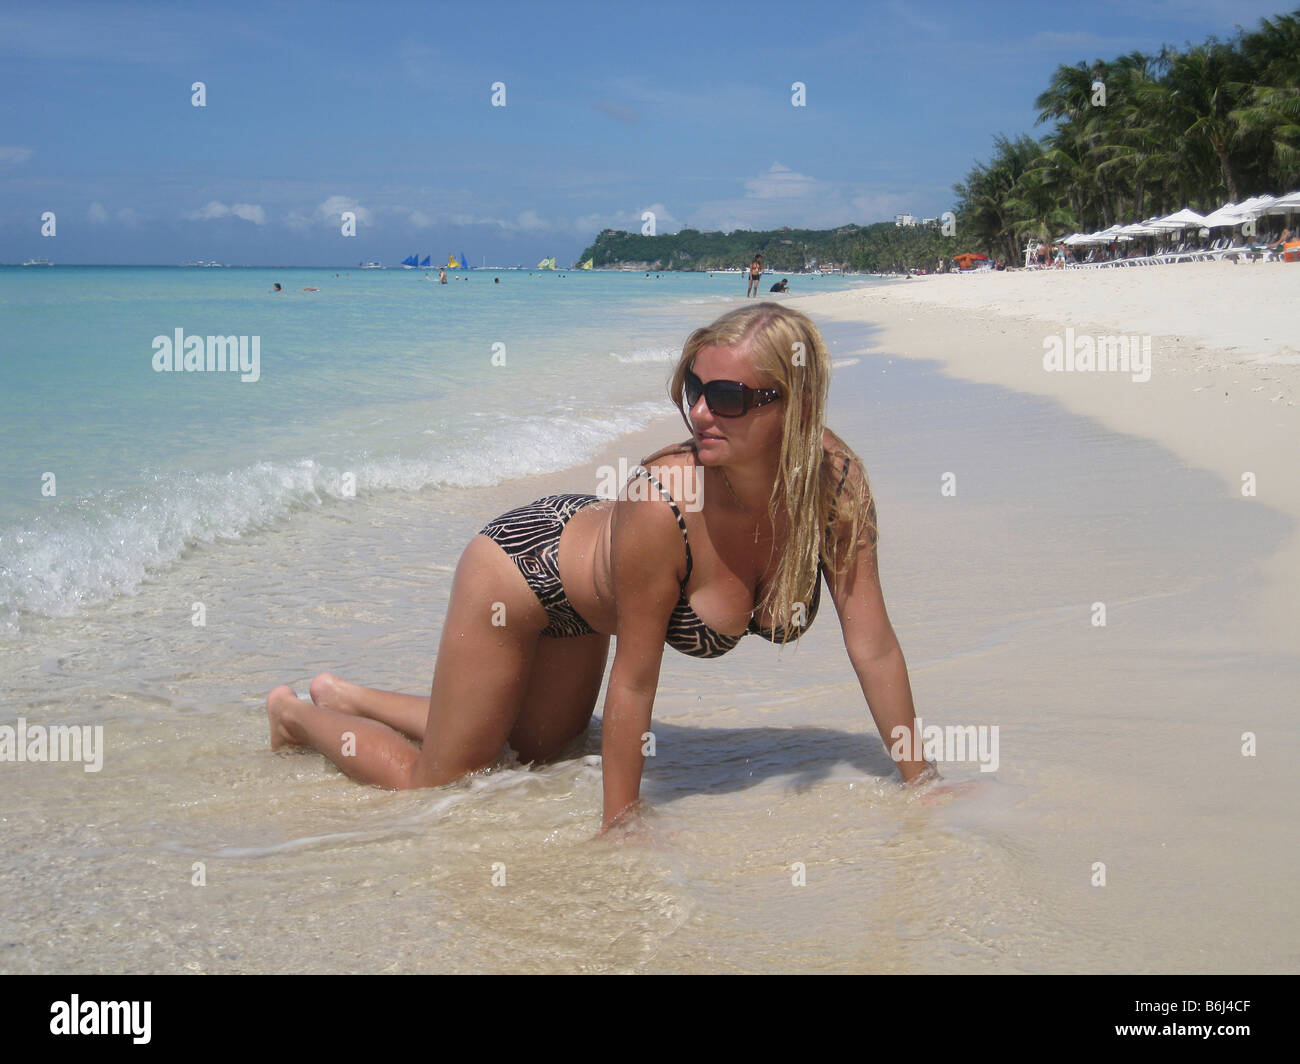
x: 755, y: 276
x: 767, y: 499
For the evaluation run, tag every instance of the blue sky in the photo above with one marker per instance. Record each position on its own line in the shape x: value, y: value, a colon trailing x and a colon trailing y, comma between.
x: 611, y: 109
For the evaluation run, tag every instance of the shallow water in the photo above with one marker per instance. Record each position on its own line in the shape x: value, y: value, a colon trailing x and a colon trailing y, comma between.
x: 1118, y: 744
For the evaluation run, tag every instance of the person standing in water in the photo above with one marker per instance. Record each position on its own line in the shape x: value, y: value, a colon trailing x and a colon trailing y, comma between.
x: 755, y: 276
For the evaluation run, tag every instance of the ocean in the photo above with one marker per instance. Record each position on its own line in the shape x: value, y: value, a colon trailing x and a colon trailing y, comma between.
x: 117, y: 464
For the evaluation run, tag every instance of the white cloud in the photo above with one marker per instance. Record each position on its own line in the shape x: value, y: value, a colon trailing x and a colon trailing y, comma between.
x: 531, y: 222
x: 629, y: 221
x: 13, y: 155
x: 780, y: 183
x: 215, y: 209
x: 331, y: 210
x: 97, y: 214
x: 329, y: 214
x: 783, y: 196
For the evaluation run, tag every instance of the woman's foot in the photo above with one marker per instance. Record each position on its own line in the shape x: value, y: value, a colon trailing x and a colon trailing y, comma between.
x: 329, y: 692
x: 281, y: 705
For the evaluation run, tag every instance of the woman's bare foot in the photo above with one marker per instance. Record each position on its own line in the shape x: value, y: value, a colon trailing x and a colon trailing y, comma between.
x: 280, y: 706
x: 329, y: 692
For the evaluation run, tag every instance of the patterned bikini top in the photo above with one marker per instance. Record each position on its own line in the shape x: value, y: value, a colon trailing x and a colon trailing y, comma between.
x: 690, y: 635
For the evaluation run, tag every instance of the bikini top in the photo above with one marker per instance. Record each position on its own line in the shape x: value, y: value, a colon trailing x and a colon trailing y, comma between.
x: 690, y: 635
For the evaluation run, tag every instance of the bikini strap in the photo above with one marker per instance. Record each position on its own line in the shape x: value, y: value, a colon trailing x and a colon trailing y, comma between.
x: 681, y: 521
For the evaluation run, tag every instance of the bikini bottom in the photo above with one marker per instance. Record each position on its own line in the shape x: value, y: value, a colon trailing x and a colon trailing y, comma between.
x: 531, y: 536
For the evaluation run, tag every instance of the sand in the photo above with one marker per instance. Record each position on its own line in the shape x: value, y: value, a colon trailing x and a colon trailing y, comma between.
x: 1225, y: 367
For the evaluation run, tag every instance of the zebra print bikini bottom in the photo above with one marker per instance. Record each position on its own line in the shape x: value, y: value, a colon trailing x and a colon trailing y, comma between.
x: 531, y: 536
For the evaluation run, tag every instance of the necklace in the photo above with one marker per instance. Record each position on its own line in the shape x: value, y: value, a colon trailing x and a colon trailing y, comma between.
x: 742, y: 506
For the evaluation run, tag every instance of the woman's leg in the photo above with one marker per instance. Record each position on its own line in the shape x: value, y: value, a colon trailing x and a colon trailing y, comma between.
x: 562, y: 692
x: 407, y: 714
x: 485, y: 657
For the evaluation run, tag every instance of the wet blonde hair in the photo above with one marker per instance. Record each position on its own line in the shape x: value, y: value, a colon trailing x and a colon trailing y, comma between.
x: 789, y: 353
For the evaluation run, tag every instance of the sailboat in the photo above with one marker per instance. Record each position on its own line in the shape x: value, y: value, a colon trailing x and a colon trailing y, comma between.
x: 425, y: 264
x: 590, y: 264
x: 452, y: 264
x: 547, y: 264
x: 410, y: 262
x: 464, y: 262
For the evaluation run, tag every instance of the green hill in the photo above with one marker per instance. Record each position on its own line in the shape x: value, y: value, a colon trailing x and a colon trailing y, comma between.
x: 879, y: 248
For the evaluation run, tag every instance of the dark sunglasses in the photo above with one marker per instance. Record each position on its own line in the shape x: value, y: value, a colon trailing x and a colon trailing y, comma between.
x: 727, y: 398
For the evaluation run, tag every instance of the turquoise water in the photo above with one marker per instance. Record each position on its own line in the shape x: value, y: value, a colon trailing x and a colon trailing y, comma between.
x: 381, y: 381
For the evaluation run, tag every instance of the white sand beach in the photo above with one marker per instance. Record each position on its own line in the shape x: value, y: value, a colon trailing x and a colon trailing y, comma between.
x: 1224, y: 382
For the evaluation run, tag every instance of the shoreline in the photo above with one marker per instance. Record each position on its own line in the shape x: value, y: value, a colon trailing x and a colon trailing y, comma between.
x: 1228, y: 408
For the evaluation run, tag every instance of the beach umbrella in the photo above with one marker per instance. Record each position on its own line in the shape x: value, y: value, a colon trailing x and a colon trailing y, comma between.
x: 1228, y: 214
x: 1285, y: 204
x: 1255, y: 206
x: 1184, y: 219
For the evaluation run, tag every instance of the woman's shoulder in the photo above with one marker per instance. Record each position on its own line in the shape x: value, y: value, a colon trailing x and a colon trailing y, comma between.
x: 853, y: 507
x: 675, y: 454
x: 837, y: 452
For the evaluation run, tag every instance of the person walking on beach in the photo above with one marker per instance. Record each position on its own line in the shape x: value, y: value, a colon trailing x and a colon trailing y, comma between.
x: 755, y: 276
x: 765, y: 503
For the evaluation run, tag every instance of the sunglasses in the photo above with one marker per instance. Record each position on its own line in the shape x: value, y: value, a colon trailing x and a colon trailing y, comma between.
x: 727, y: 398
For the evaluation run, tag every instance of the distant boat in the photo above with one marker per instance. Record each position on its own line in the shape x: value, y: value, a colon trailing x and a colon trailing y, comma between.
x: 371, y: 265
x: 452, y: 264
x: 425, y: 264
x: 410, y: 262
x: 590, y: 264
x: 547, y: 264
x: 464, y: 262
x: 38, y: 262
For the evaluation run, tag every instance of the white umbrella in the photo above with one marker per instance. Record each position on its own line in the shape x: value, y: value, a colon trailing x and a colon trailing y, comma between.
x: 1255, y: 206
x: 1184, y: 219
x: 1228, y: 214
x: 1285, y: 204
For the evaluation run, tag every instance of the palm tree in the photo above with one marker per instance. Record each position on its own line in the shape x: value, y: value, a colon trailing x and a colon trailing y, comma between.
x: 1272, y: 109
x: 992, y: 208
x: 1197, y: 96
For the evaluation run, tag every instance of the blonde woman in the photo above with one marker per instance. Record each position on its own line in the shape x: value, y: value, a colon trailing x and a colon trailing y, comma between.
x: 727, y: 533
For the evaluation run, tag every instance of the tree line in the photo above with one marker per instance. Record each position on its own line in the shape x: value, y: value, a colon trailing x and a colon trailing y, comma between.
x: 1142, y: 136
x: 879, y: 248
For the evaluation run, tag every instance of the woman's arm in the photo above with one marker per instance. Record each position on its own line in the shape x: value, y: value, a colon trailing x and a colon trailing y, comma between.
x: 646, y: 553
x: 874, y: 651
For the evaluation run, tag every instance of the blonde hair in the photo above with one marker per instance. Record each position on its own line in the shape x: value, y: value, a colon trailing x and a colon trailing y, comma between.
x: 789, y: 354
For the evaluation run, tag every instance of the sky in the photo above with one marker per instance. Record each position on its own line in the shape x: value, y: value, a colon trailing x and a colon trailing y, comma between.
x: 611, y: 110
